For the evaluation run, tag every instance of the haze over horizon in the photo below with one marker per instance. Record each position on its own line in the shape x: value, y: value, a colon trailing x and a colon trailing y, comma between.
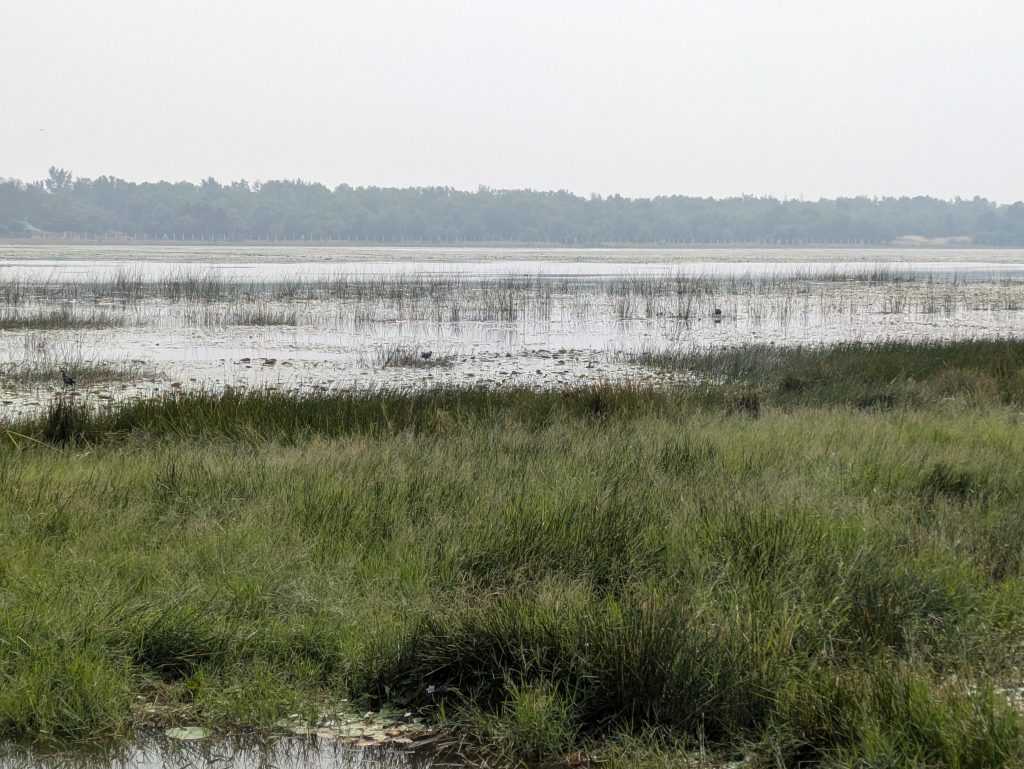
x: 788, y: 99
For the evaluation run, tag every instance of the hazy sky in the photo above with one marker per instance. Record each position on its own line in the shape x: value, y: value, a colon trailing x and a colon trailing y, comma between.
x: 812, y: 98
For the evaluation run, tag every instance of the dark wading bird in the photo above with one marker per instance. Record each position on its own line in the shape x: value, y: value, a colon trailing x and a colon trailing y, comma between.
x: 67, y: 379
x: 717, y: 315
x: 426, y: 354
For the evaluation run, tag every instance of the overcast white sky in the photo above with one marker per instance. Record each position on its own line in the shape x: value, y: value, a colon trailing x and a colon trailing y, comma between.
x: 791, y: 98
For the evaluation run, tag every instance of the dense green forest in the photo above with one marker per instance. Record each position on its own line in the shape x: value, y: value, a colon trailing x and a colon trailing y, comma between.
x: 295, y: 210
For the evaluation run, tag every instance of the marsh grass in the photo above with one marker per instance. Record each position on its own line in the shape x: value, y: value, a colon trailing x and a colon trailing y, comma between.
x: 650, y: 574
x: 36, y: 362
x: 58, y: 319
x: 198, y: 297
x: 877, y: 375
x: 41, y: 368
x: 262, y: 315
x: 400, y: 356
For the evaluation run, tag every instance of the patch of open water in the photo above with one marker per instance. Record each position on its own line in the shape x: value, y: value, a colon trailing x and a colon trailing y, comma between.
x: 279, y: 753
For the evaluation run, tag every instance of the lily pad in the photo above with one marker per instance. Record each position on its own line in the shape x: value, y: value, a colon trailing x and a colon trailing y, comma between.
x: 296, y: 726
x: 188, y: 733
x: 341, y: 731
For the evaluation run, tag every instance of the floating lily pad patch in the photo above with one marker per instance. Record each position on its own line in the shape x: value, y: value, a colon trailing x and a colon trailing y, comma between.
x: 296, y: 725
x: 387, y: 726
x: 188, y: 733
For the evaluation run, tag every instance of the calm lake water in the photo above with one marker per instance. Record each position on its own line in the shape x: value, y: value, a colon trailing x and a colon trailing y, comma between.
x: 134, y: 321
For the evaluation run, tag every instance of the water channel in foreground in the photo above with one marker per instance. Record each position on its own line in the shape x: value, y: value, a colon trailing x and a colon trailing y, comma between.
x: 282, y: 753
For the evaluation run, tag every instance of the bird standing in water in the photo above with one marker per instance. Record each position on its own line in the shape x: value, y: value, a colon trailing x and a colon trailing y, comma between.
x: 67, y: 379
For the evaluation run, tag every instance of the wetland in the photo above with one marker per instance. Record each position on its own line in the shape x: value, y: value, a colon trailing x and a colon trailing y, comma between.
x: 138, y: 321
x: 788, y: 535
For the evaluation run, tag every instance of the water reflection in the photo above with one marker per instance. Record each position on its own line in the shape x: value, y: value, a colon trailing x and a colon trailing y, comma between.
x: 281, y: 753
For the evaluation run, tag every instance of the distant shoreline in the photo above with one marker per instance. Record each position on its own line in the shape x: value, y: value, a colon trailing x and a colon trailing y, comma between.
x: 951, y: 244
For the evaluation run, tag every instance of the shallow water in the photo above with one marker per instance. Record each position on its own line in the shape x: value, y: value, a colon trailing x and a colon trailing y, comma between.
x: 172, y: 318
x: 283, y: 753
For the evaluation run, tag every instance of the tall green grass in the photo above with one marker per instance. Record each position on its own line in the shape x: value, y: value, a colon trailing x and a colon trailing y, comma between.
x: 880, y: 374
x: 646, y: 574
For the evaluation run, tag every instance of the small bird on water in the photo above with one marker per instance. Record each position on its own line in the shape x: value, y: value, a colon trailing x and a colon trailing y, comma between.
x: 66, y: 378
x: 426, y: 354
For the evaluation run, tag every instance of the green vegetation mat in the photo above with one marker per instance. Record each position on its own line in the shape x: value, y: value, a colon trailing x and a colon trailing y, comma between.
x: 813, y: 556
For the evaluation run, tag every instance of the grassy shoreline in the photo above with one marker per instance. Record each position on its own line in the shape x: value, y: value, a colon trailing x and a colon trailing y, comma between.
x: 784, y: 564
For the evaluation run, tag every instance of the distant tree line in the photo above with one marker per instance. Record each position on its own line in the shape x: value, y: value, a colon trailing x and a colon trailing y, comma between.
x: 294, y: 210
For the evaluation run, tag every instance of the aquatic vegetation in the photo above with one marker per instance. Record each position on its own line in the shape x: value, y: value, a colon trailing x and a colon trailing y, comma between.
x: 261, y: 316
x: 400, y: 356
x: 43, y: 373
x: 877, y: 375
x: 346, y: 318
x: 63, y: 318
